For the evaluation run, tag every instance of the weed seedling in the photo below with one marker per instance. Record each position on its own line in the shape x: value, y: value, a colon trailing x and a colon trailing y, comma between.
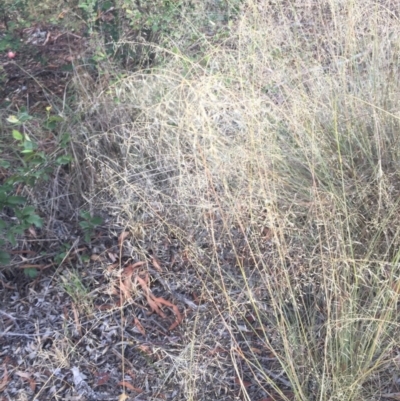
x: 89, y: 223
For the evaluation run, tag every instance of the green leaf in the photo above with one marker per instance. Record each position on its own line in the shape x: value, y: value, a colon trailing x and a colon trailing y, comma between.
x: 64, y: 159
x: 28, y: 210
x: 96, y: 220
x: 3, y: 225
x: 65, y: 139
x: 29, y: 145
x: 60, y: 257
x: 17, y: 135
x: 55, y: 118
x: 24, y: 116
x: 16, y: 200
x: 11, y: 237
x: 85, y: 225
x: 36, y: 220
x: 19, y: 229
x: 86, y: 258
x: 4, y: 163
x: 85, y: 214
x: 31, y: 272
x: 4, y: 258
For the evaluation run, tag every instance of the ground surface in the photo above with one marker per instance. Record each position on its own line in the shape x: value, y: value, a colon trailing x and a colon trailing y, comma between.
x: 94, y: 333
x: 103, y: 319
x: 249, y: 237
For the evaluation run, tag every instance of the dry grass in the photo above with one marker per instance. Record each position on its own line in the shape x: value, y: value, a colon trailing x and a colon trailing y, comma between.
x: 273, y: 160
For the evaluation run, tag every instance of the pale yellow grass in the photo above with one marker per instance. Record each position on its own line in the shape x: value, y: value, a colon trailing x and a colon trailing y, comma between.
x: 274, y: 159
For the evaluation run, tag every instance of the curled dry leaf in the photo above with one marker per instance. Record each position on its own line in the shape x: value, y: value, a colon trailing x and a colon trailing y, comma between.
x: 239, y: 381
x: 217, y: 350
x: 102, y: 378
x: 154, y: 306
x: 122, y: 237
x: 129, y: 385
x: 126, y: 280
x: 139, y: 326
x: 156, y: 264
x: 155, y: 303
x: 110, y: 268
x: 129, y: 270
x: 5, y: 380
x: 29, y: 378
x: 174, y: 308
x: 146, y: 349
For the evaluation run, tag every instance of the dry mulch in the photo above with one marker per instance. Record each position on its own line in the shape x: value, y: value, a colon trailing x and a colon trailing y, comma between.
x: 91, y: 330
x: 113, y: 319
x: 41, y: 69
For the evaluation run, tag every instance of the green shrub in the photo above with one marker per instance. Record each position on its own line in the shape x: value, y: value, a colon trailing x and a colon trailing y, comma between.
x: 31, y: 165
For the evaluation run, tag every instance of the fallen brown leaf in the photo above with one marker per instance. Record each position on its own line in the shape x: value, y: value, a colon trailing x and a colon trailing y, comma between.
x: 129, y: 270
x: 245, y: 384
x: 216, y: 350
x: 102, y: 378
x: 129, y: 385
x: 146, y: 349
x: 139, y: 326
x: 154, y: 306
x: 28, y: 377
x: 174, y: 308
x: 122, y: 237
x: 104, y: 307
x: 6, y: 379
x: 256, y: 350
x: 156, y: 264
x: 125, y: 290
x: 131, y: 374
x: 110, y: 268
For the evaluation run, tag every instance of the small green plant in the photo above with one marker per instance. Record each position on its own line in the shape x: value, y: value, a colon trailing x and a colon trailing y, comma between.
x: 72, y: 284
x: 63, y: 252
x: 24, y: 217
x: 33, y: 165
x: 88, y: 224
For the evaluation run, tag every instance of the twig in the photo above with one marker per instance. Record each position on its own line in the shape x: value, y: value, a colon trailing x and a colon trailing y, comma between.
x: 178, y: 296
x: 10, y: 317
x: 278, y: 377
x: 13, y: 334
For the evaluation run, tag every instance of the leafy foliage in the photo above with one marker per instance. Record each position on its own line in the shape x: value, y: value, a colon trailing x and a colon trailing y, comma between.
x: 34, y: 165
x: 89, y: 223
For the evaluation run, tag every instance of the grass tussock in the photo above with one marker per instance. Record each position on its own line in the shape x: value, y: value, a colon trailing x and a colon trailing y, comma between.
x: 273, y: 160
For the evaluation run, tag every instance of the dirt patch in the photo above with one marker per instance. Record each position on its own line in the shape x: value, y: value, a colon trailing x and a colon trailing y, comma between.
x: 41, y: 69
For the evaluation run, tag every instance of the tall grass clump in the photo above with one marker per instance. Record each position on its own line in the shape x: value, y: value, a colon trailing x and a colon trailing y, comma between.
x: 273, y: 157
